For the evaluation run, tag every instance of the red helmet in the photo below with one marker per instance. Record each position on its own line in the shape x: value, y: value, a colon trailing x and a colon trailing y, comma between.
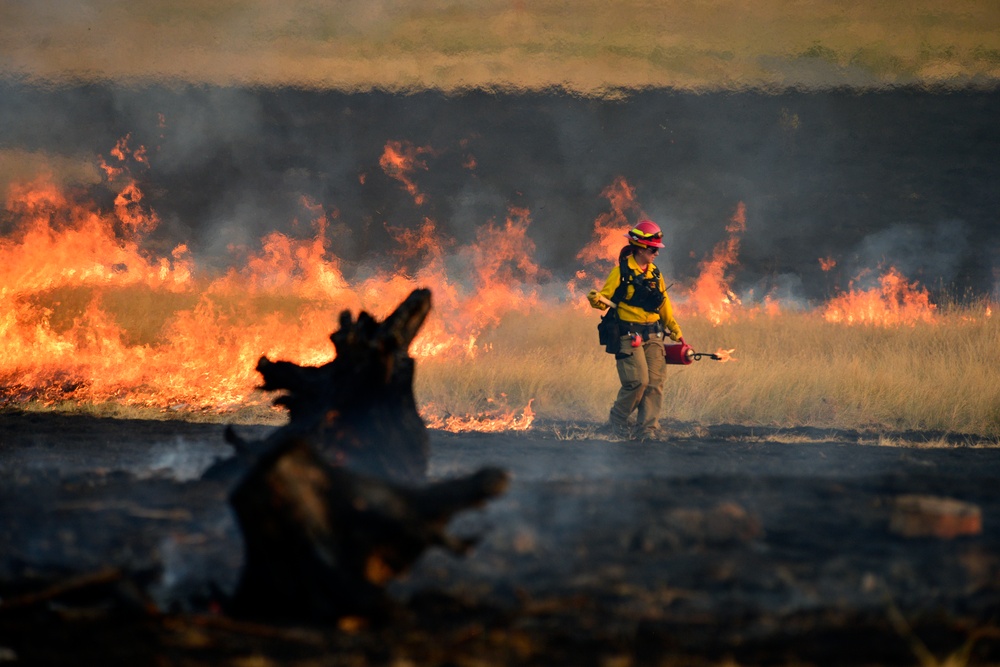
x: 646, y: 234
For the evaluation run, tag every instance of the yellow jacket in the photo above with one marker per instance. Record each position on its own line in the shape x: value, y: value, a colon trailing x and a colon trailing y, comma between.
x: 629, y: 313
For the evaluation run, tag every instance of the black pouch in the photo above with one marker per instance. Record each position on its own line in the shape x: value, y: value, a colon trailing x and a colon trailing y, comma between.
x: 607, y: 331
x: 647, y: 295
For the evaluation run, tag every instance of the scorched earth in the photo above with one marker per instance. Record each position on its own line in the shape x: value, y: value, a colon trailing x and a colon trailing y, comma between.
x: 711, y: 545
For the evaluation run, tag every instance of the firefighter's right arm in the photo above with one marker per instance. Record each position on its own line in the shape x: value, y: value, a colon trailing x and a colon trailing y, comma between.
x: 610, y: 285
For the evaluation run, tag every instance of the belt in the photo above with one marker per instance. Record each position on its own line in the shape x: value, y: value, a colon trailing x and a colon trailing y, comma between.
x: 640, y: 328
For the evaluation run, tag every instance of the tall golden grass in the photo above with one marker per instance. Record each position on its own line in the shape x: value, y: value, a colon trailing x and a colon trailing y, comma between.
x: 790, y: 370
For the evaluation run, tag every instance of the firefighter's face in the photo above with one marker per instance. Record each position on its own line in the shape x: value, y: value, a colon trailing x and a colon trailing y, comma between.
x: 647, y: 254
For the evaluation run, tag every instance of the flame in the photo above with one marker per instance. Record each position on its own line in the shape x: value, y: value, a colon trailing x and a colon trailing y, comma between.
x: 483, y: 422
x: 58, y: 244
x: 711, y: 296
x: 895, y: 302
x: 87, y: 313
x: 399, y: 160
x: 771, y: 306
x: 122, y: 154
x: 609, y: 228
x: 725, y: 355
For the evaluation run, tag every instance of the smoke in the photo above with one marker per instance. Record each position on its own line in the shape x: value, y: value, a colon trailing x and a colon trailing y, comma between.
x: 936, y: 253
x: 19, y: 166
x: 181, y: 460
x: 898, y: 179
x: 200, y: 564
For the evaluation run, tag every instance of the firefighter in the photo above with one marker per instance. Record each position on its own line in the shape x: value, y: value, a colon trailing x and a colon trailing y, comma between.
x: 645, y: 319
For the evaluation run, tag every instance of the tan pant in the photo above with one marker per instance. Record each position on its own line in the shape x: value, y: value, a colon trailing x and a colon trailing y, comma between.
x: 642, y: 371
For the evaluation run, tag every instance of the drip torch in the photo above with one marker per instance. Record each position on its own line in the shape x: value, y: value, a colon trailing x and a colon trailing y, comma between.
x: 681, y: 353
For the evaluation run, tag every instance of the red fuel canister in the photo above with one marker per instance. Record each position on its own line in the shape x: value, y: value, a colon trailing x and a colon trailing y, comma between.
x: 681, y: 353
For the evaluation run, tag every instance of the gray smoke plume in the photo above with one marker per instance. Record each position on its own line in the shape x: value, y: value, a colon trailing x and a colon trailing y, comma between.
x: 901, y: 178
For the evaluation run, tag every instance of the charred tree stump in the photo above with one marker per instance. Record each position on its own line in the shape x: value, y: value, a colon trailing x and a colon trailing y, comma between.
x: 335, y: 504
x: 359, y: 409
x: 321, y: 542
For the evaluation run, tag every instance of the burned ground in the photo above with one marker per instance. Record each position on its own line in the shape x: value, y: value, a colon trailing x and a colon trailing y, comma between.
x: 712, y: 543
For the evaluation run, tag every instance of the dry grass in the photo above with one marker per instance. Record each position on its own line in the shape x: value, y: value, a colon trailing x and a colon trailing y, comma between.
x: 586, y: 46
x: 794, y: 369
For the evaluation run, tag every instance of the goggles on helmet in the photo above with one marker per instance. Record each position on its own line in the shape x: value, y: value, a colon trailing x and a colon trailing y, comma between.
x: 647, y: 233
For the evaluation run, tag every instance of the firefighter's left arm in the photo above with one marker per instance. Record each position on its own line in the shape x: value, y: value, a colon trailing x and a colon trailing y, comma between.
x: 667, y: 315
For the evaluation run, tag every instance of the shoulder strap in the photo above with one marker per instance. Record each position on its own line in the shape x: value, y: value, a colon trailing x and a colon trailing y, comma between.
x: 626, y: 276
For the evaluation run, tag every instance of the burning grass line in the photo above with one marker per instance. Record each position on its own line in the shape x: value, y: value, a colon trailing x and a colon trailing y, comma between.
x: 96, y: 320
x: 795, y: 369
